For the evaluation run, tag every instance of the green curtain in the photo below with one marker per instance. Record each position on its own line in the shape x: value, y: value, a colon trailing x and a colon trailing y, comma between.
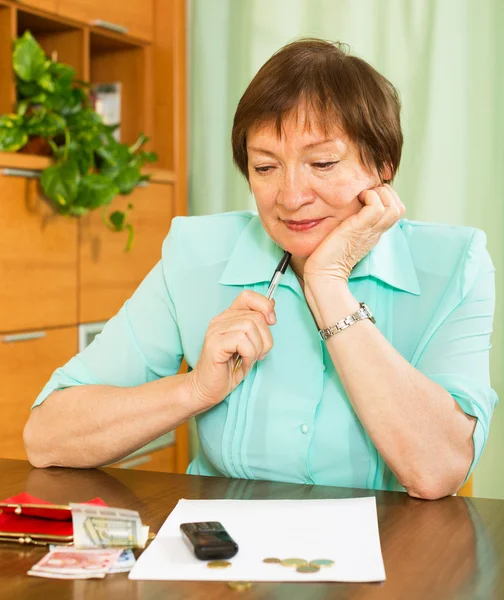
x: 445, y: 58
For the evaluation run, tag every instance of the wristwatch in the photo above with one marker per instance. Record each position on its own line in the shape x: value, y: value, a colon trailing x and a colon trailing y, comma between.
x: 358, y: 315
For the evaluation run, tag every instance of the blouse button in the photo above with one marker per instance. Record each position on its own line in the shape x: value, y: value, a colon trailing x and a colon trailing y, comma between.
x: 324, y: 367
x: 304, y: 428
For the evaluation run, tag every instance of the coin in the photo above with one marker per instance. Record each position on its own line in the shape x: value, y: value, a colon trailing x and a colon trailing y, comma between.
x: 218, y: 564
x: 321, y: 562
x: 240, y: 586
x: 308, y: 569
x: 294, y: 562
x: 272, y: 561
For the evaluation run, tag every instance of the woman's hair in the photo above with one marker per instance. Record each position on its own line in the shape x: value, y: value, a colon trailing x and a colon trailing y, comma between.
x: 336, y: 89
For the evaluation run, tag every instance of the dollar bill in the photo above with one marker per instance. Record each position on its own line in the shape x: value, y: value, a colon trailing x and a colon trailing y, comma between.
x: 106, y: 527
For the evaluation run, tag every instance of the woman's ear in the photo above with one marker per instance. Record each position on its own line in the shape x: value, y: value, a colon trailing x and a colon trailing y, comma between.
x: 386, y: 174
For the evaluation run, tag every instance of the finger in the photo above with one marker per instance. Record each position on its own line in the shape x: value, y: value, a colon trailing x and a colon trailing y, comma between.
x: 253, y: 322
x: 249, y: 300
x: 248, y: 325
x: 398, y: 200
x: 237, y: 342
x: 373, y: 209
x: 392, y: 210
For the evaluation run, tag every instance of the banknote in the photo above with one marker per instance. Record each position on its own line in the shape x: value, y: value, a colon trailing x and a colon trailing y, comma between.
x: 70, y: 563
x: 107, y: 527
x: 124, y: 563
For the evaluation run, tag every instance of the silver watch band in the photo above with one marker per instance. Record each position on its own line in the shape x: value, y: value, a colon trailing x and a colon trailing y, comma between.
x: 359, y: 315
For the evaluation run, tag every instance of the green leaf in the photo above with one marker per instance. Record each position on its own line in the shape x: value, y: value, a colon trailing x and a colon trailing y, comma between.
x: 117, y: 218
x: 45, y: 124
x: 12, y: 133
x: 77, y: 211
x: 127, y: 179
x: 27, y: 89
x: 149, y: 156
x: 11, y: 121
x: 96, y: 190
x: 61, y: 182
x: 114, y: 153
x: 29, y: 60
x: 62, y: 74
x: 46, y: 82
x: 12, y: 140
x: 22, y: 107
x: 85, y: 160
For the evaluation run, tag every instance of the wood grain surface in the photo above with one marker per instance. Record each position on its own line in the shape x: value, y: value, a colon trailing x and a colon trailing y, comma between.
x: 447, y: 549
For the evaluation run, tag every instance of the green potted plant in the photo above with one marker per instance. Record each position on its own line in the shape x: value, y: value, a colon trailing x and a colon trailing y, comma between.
x: 54, y: 116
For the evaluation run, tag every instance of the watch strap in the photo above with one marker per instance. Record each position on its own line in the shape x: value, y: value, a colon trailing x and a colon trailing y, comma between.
x: 361, y: 314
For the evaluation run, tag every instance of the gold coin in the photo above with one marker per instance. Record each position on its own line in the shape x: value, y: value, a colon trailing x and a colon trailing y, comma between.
x: 218, y: 564
x: 272, y: 561
x: 240, y: 586
x: 321, y: 562
x: 294, y: 562
x: 308, y: 569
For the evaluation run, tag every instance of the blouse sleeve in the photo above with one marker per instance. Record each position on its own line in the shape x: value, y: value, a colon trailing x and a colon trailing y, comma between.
x: 457, y: 355
x: 139, y: 344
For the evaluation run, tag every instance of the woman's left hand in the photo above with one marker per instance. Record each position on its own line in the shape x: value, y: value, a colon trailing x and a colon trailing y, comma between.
x: 350, y: 241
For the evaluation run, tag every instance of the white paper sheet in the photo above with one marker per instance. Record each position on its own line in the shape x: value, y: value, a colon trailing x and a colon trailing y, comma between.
x: 345, y: 531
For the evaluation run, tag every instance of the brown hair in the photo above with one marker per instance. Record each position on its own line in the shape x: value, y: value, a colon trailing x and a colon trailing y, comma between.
x: 339, y: 88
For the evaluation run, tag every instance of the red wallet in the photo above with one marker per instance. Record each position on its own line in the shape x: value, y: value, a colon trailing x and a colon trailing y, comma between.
x: 25, y: 519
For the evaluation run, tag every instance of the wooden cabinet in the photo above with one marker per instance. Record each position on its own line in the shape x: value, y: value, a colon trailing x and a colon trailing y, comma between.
x: 108, y: 274
x: 26, y: 363
x: 48, y: 5
x: 59, y: 272
x: 38, y: 259
x: 135, y: 17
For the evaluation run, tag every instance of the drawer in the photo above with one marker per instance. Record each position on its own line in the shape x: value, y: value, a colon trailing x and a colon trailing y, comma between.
x: 38, y: 259
x: 137, y: 16
x: 108, y: 274
x: 27, y: 360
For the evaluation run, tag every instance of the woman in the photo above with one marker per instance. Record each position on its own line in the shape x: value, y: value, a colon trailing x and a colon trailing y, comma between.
x: 402, y: 403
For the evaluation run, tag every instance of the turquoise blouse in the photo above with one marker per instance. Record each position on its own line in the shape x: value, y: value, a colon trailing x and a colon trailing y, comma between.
x: 430, y: 287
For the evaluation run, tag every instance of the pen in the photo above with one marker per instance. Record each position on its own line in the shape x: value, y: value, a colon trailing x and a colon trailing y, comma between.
x: 275, y: 280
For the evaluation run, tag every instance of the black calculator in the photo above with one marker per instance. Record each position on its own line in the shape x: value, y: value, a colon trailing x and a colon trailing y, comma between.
x: 209, y: 540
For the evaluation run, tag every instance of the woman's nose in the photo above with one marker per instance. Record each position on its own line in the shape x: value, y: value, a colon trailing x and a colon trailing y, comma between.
x: 294, y: 192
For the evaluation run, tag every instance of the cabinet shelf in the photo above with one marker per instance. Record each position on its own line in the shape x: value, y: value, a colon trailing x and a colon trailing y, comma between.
x: 32, y: 162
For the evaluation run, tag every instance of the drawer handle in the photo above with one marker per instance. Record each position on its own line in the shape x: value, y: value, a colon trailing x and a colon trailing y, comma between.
x: 110, y: 26
x: 130, y: 464
x: 22, y: 337
x: 27, y: 173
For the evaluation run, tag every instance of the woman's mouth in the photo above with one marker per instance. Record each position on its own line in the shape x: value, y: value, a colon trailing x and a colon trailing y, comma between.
x: 302, y: 225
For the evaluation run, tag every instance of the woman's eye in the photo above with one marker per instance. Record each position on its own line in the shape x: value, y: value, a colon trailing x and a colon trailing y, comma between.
x: 262, y: 169
x: 325, y: 166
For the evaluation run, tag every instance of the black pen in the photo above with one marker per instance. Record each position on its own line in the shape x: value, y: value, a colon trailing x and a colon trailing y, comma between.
x: 275, y: 280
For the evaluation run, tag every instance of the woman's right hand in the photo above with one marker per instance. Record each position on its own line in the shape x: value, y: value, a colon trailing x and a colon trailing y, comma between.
x: 242, y: 329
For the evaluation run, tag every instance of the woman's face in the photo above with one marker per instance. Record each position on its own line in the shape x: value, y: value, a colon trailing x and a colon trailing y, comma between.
x: 304, y: 183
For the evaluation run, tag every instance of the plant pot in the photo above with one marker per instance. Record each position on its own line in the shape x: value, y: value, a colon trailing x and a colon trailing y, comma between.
x: 37, y: 145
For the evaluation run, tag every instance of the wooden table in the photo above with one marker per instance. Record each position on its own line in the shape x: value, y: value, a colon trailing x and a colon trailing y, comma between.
x: 450, y: 548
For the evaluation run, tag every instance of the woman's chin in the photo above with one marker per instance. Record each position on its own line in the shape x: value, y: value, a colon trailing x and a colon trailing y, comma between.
x: 301, y: 248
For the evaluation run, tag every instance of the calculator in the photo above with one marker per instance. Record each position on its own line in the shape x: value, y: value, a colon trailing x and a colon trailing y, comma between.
x: 209, y: 540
